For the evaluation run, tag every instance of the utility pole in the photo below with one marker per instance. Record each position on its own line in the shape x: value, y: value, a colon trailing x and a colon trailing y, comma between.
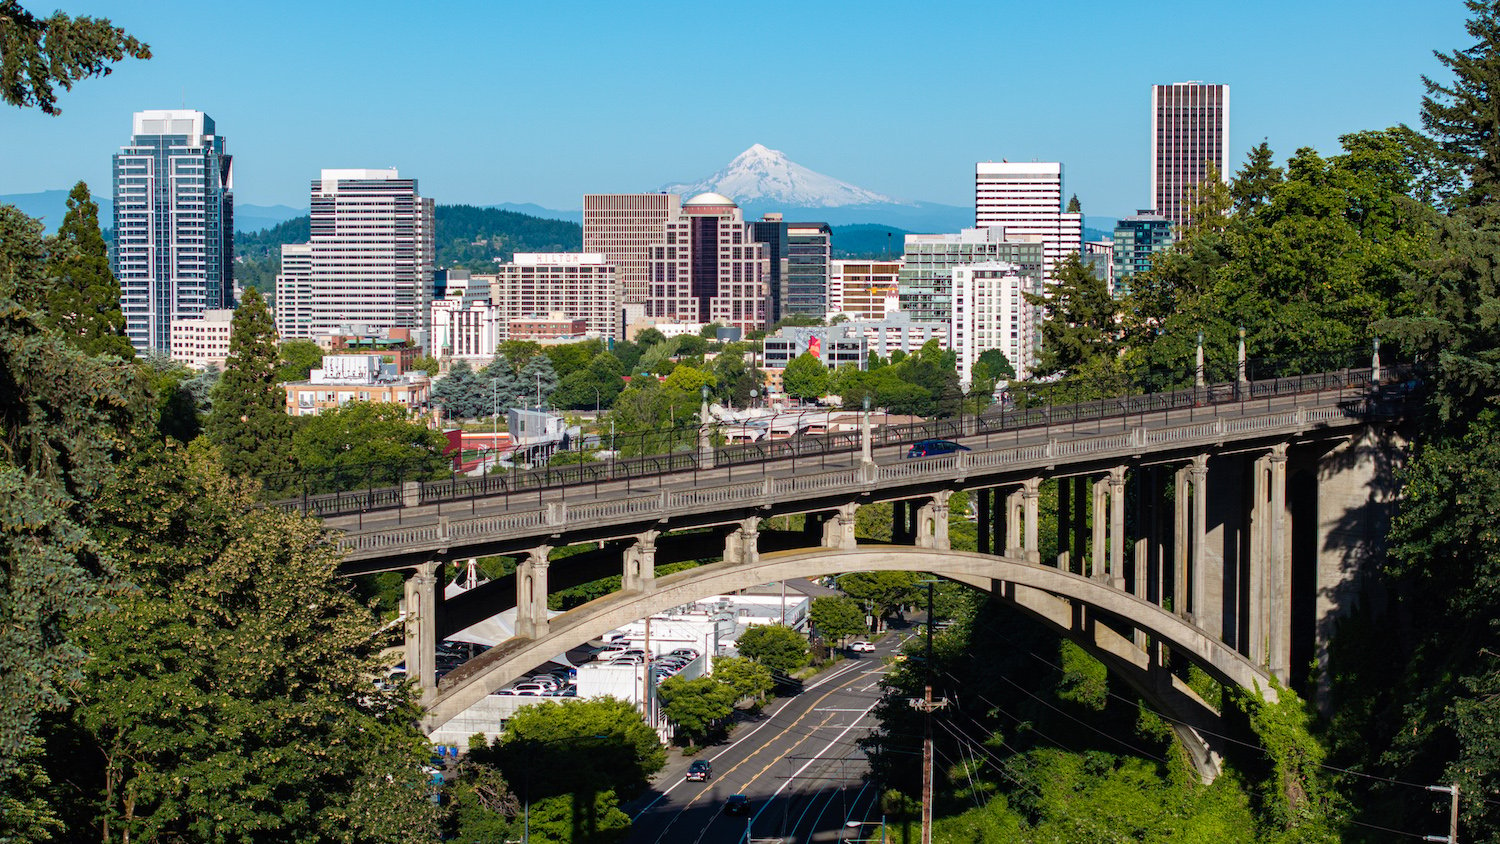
x: 927, y: 704
x: 1452, y: 836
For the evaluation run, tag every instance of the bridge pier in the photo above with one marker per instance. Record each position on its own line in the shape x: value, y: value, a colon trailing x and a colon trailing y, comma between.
x: 531, y: 594
x: 640, y: 564
x: 421, y: 602
x: 838, y: 528
x: 1270, y: 566
x: 932, y: 523
x: 1189, y: 532
x: 741, y: 546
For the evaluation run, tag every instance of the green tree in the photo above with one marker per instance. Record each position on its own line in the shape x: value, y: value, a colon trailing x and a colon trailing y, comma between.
x: 744, y: 677
x: 37, y: 54
x: 65, y: 418
x: 696, y: 706
x: 568, y: 358
x: 884, y: 592
x: 776, y: 646
x: 1074, y: 206
x: 805, y: 377
x: 837, y: 617
x: 578, y: 747
x: 649, y: 337
x: 228, y: 696
x: 370, y: 443
x: 249, y: 423
x: 83, y: 303
x: 459, y: 393
x: 298, y: 358
x: 427, y: 364
x: 1082, y: 322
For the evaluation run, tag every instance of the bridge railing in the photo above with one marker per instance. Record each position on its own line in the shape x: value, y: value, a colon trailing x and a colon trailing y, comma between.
x: 756, y: 456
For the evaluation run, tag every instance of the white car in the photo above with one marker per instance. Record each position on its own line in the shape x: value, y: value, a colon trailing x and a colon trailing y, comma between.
x: 862, y: 647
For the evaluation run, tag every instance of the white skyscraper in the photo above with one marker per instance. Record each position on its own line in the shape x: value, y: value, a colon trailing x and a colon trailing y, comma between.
x: 1026, y: 199
x: 368, y: 264
x: 174, y: 225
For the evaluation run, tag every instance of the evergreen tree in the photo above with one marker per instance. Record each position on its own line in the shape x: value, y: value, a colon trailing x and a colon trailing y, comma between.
x: 1256, y: 180
x: 249, y: 422
x: 1074, y: 206
x: 64, y: 418
x: 40, y: 53
x: 1460, y: 115
x: 83, y: 303
x: 496, y: 389
x: 458, y: 392
x: 1081, y: 325
x: 536, y: 382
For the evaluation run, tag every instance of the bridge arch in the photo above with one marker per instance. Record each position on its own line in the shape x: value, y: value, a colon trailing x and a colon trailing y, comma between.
x: 1062, y: 599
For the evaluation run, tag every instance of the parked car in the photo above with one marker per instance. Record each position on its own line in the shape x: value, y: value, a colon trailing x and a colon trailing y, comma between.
x: 686, y: 653
x: 737, y: 804
x: 932, y: 448
x: 532, y: 688
x: 570, y: 690
x: 626, y: 660
x: 862, y: 647
x: 700, y: 771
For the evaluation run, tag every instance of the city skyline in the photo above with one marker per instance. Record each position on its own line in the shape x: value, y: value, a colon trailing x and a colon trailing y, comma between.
x: 484, y: 118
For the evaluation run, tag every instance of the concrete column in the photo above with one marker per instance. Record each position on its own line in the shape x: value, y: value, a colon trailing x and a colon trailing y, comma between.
x: 982, y: 520
x: 705, y: 437
x: 531, y: 594
x: 838, y: 529
x: 420, y: 592
x: 932, y: 523
x: 1064, y: 521
x: 1279, y: 560
x: 1198, y: 475
x: 741, y: 545
x: 1180, y: 543
x: 1030, y: 495
x: 1014, y: 524
x: 1260, y: 506
x: 640, y: 564
x: 1116, y: 481
x: 1098, y: 559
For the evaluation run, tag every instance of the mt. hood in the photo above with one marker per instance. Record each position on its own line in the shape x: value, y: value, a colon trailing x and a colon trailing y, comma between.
x: 761, y: 176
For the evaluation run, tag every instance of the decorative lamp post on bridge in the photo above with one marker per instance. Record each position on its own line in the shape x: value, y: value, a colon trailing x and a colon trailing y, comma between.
x: 705, y: 434
x: 865, y: 455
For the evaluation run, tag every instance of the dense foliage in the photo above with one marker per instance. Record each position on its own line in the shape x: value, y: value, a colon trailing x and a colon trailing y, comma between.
x: 37, y: 55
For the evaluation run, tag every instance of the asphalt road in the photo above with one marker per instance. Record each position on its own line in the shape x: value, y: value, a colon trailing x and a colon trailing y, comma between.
x: 614, y: 490
x: 799, y: 765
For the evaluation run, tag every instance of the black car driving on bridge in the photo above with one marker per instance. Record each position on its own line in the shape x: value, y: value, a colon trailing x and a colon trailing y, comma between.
x: 932, y: 448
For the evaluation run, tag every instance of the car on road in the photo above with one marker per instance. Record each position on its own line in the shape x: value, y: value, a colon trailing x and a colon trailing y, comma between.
x: 862, y: 647
x: 737, y: 804
x: 932, y: 448
x: 700, y: 771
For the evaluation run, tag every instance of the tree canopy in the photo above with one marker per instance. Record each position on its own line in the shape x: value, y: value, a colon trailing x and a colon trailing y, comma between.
x: 776, y: 646
x: 83, y: 303
x: 39, y: 55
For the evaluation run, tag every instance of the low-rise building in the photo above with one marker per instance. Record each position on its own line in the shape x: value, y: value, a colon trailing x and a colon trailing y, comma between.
x: 852, y: 341
x: 548, y: 329
x: 355, y: 377
x: 201, y: 342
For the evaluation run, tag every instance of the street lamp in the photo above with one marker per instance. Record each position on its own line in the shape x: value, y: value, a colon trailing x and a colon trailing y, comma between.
x: 853, y: 828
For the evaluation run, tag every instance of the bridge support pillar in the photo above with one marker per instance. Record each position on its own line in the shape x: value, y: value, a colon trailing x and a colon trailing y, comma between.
x: 640, y: 564
x: 1195, y: 533
x: 1099, y: 561
x: 1030, y: 497
x: 982, y: 519
x: 531, y: 594
x: 421, y: 628
x: 1014, y: 521
x: 838, y: 529
x: 1116, y: 481
x: 741, y: 545
x: 932, y: 523
x: 1270, y: 567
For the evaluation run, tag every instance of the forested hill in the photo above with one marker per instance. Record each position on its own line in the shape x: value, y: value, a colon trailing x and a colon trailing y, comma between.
x: 464, y: 236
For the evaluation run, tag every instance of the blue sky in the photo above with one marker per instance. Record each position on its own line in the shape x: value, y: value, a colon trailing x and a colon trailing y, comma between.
x: 543, y: 101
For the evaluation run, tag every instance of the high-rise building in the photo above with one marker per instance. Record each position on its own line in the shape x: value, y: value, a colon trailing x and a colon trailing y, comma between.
x: 1137, y: 238
x: 707, y: 268
x: 990, y: 311
x: 538, y: 284
x: 1189, y: 133
x: 174, y: 225
x: 804, y: 285
x: 926, y: 282
x: 798, y: 255
x: 1026, y: 199
x: 620, y: 226
x: 1099, y: 256
x: 368, y: 264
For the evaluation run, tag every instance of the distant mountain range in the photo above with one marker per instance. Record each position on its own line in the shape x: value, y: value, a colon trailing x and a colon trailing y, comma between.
x: 50, y: 206
x: 760, y: 180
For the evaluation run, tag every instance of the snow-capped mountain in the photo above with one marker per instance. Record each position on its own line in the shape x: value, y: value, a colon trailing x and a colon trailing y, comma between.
x: 760, y: 175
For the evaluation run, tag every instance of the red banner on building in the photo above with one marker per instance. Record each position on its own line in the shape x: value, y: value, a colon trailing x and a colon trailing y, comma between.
x: 815, y: 347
